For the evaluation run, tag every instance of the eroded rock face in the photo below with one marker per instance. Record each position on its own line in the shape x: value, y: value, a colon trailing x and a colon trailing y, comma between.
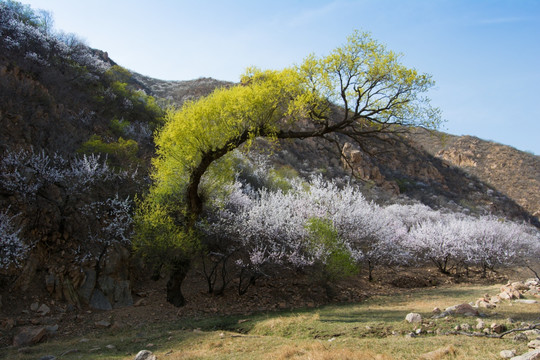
x: 365, y: 168
x: 458, y: 157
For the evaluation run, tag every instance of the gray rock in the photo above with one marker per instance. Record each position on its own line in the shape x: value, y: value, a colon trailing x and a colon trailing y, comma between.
x: 145, y: 355
x: 50, y: 283
x: 103, y: 324
x: 85, y: 291
x: 29, y: 336
x: 44, y: 309
x: 507, y: 354
x: 122, y: 294
x: 524, y: 301
x: 107, y: 285
x: 52, y: 329
x: 531, y: 355
x: 534, y: 344
x: 413, y: 318
x: 465, y: 310
x: 34, y: 306
x: 99, y: 301
x: 480, y: 324
x: 520, y: 337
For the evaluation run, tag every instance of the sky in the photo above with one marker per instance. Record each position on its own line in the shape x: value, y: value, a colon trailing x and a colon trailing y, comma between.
x: 483, y: 54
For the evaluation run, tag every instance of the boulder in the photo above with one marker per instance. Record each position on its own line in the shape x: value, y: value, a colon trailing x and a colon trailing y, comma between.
x: 534, y: 344
x: 531, y: 355
x: 521, y: 337
x: 518, y: 285
x: 122, y: 294
x: 498, y: 328
x: 29, y: 336
x: 103, y: 324
x: 44, y: 310
x: 465, y: 310
x: 413, y: 318
x: 507, y: 354
x: 145, y: 355
x: 484, y: 304
x: 508, y: 292
x: 480, y: 324
x: 87, y: 287
x: 99, y: 301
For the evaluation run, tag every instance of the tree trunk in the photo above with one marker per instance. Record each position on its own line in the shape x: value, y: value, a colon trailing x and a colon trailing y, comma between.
x: 180, y: 268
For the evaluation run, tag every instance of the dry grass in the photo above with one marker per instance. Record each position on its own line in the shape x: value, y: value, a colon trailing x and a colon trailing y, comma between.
x: 372, y: 329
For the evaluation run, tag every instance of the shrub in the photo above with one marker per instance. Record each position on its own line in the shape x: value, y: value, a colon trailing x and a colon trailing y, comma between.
x: 12, y: 249
x: 121, y: 153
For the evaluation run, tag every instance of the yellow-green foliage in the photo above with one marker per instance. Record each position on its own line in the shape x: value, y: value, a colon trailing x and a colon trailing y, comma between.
x: 118, y: 127
x: 120, y: 153
x: 118, y: 73
x: 158, y: 235
x: 260, y: 106
x: 281, y: 177
x: 143, y: 108
x: 323, y: 235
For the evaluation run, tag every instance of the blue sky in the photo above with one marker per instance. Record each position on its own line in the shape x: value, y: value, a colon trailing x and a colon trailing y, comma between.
x: 484, y: 55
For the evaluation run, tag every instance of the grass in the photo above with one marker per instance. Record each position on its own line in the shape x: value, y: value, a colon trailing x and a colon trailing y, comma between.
x: 373, y: 329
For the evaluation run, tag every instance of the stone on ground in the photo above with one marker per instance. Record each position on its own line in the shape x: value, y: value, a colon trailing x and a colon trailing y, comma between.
x: 413, y: 318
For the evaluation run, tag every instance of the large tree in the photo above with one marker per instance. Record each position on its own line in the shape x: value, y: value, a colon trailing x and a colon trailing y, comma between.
x: 360, y: 89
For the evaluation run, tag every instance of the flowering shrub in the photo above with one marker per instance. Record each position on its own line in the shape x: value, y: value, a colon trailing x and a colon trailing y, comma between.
x: 115, y: 220
x: 487, y: 242
x: 12, y: 249
x: 28, y: 33
x: 26, y: 172
x: 321, y: 223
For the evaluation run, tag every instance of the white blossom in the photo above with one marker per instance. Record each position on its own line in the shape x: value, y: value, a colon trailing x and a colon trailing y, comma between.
x: 12, y: 249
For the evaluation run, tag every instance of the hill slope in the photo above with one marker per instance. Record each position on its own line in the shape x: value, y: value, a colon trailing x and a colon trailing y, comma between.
x: 512, y: 172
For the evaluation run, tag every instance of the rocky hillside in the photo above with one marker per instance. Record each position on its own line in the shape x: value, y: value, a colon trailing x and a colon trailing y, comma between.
x: 75, y: 145
x: 514, y: 173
